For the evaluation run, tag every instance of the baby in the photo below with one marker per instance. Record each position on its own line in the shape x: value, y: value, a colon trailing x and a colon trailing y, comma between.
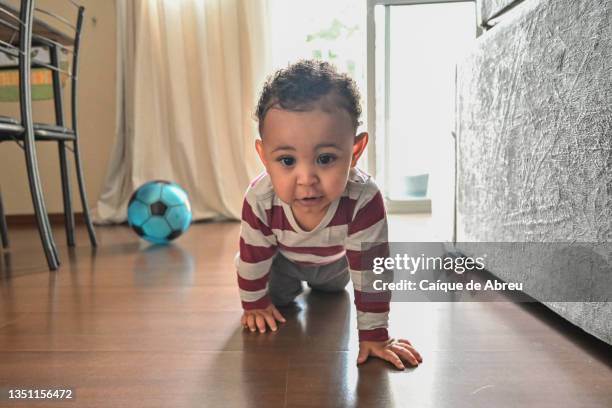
x: 304, y: 219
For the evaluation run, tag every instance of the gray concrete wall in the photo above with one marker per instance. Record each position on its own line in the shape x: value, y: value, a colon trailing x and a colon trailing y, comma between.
x: 534, y: 120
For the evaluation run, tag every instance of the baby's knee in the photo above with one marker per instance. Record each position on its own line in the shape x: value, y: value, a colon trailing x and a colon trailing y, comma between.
x: 334, y: 285
x: 284, y: 297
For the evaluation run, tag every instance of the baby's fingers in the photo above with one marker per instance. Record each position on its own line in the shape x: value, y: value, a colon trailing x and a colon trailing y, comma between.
x: 363, y: 355
x: 261, y: 323
x: 405, y: 354
x: 277, y: 315
x: 404, y: 341
x: 251, y: 322
x: 391, y: 357
x: 408, y: 345
x: 270, y: 320
x: 415, y: 353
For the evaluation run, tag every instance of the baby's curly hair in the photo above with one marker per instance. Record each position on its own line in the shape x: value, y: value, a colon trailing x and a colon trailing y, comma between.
x: 303, y: 84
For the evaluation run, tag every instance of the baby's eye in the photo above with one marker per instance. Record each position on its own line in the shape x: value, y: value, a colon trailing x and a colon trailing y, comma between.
x: 326, y: 159
x: 286, y: 161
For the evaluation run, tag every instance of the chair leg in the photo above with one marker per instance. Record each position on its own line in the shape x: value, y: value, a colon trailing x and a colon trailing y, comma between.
x: 39, y: 207
x: 59, y: 118
x: 77, y: 154
x: 79, y: 172
x: 67, y: 194
x: 45, y: 218
x: 3, y: 227
x: 25, y: 104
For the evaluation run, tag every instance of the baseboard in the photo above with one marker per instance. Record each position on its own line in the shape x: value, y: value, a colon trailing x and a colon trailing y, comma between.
x: 29, y: 220
x: 413, y: 205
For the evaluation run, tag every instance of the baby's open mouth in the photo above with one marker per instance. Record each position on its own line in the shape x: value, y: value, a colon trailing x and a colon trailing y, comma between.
x: 313, y: 200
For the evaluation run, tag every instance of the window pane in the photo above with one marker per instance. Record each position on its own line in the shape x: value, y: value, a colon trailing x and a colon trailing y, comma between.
x: 425, y: 42
x: 321, y: 29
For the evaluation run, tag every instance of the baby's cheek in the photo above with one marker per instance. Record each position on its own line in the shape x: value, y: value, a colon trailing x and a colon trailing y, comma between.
x: 284, y: 189
x: 337, y: 185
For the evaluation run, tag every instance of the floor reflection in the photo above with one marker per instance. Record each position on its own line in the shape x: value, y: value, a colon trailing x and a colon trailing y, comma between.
x: 163, y: 265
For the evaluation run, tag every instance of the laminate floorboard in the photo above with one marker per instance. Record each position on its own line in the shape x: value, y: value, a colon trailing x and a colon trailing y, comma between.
x: 133, y: 325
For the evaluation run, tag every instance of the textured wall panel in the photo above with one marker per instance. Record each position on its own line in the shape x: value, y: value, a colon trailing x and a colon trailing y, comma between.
x: 534, y: 128
x: 490, y: 8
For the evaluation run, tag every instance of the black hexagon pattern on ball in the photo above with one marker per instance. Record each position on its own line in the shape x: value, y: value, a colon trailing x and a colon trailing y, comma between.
x: 138, y: 230
x: 174, y: 234
x: 158, y: 208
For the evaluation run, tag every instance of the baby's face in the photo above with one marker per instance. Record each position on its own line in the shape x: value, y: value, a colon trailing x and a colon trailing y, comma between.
x: 308, y: 155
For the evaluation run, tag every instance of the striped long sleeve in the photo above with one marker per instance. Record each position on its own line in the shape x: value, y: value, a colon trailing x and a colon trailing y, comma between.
x: 369, y: 225
x: 258, y: 248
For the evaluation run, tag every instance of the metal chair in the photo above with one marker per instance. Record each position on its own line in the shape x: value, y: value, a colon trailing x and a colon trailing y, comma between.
x: 23, y: 132
x: 11, y: 129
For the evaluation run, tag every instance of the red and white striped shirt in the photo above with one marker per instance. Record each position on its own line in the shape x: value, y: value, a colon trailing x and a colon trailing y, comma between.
x: 268, y: 227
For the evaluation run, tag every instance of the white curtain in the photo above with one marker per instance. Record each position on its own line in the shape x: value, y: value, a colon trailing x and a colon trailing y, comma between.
x: 188, y: 76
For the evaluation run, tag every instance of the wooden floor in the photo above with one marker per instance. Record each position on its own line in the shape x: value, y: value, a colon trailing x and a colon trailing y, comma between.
x: 129, y: 325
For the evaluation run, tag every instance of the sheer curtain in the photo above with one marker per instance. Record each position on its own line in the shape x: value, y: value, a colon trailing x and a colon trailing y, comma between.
x: 188, y: 75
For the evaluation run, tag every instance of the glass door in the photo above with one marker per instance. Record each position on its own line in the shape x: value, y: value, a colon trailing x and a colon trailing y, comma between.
x: 416, y: 47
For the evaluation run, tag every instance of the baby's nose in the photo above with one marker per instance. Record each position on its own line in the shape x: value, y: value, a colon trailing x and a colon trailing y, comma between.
x: 307, y: 176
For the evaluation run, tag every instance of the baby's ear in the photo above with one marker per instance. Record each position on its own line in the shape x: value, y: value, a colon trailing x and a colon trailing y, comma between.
x: 361, y: 141
x: 260, y: 152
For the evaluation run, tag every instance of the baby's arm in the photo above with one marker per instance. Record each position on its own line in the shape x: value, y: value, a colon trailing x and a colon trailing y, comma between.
x: 257, y: 251
x: 370, y: 226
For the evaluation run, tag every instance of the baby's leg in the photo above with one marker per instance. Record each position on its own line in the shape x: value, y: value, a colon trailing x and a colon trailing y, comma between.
x: 284, y: 284
x: 331, y: 278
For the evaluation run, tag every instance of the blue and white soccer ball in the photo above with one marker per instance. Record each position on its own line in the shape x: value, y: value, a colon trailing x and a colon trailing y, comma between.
x: 159, y: 211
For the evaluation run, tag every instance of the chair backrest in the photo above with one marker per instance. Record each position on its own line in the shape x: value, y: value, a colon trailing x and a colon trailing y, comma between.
x: 47, y: 33
x: 15, y: 41
x: 47, y: 29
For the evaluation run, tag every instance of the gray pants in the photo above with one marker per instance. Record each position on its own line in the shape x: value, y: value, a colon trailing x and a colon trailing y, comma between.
x: 286, y: 277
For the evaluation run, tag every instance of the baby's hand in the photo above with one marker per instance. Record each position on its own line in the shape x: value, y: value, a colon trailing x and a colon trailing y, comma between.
x: 258, y: 318
x: 391, y: 350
